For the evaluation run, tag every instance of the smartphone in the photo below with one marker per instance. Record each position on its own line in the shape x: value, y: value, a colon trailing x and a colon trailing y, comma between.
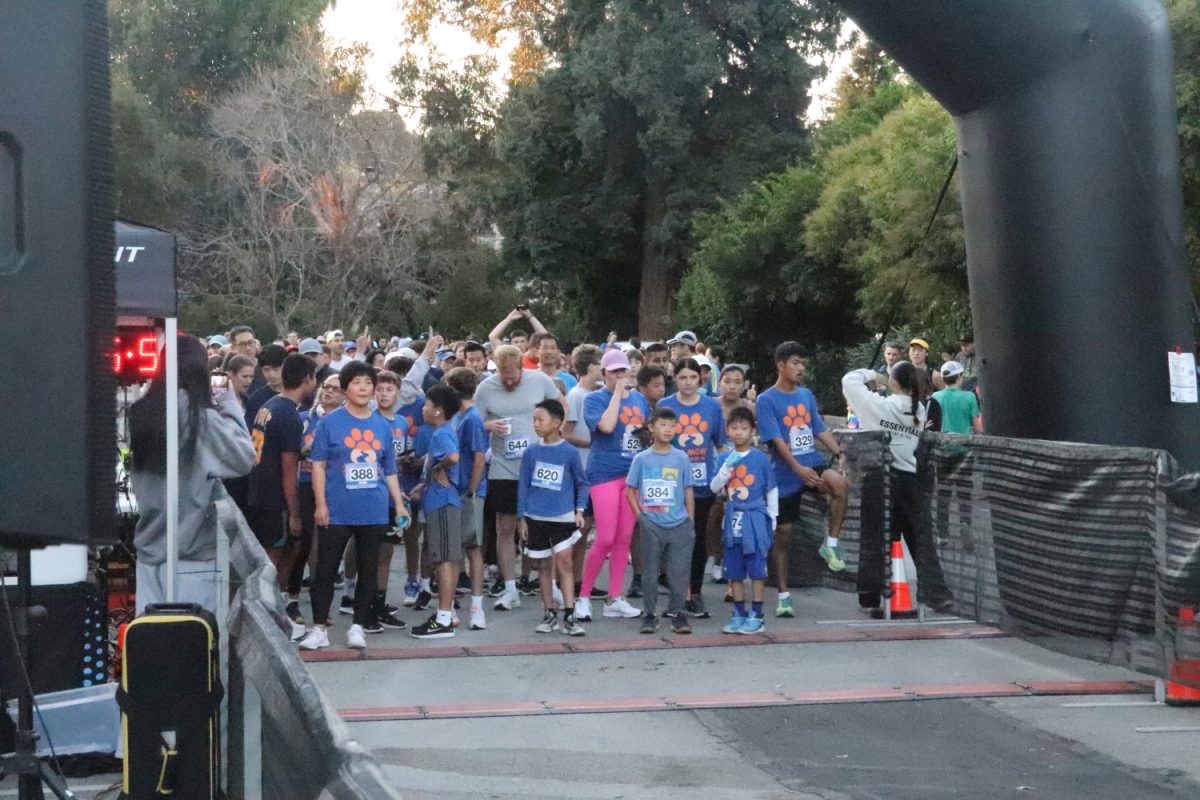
x: 522, y: 307
x: 219, y: 382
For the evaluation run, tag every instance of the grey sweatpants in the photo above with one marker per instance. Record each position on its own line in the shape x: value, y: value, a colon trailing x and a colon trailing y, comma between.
x: 672, y: 549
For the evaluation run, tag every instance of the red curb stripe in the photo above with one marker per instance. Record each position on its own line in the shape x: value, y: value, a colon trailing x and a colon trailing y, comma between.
x: 381, y: 714
x: 531, y: 649
x: 484, y: 710
x: 869, y: 695
x: 964, y: 690
x: 1087, y: 687
x: 728, y: 700
x: 819, y: 636
x: 608, y: 706
x: 742, y: 700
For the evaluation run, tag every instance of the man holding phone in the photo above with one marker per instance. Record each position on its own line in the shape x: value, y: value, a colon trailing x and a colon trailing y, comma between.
x: 518, y: 338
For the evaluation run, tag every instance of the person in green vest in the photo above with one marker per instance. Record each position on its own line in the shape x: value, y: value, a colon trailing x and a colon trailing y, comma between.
x: 960, y: 408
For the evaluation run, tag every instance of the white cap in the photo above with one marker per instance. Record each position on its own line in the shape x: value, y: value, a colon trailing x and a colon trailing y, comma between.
x: 951, y: 368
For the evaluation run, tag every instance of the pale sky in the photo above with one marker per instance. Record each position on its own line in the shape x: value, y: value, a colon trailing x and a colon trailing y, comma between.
x: 380, y: 25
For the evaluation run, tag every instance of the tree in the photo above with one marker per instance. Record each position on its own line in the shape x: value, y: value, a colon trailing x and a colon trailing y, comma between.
x: 491, y: 22
x: 184, y: 54
x: 1185, y: 29
x: 322, y: 209
x: 650, y: 112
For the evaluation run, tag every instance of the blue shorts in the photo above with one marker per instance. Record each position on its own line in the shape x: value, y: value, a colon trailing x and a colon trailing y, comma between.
x: 739, y: 565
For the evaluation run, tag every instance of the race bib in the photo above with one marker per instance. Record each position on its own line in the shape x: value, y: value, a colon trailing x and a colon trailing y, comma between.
x: 631, y: 445
x: 699, y: 473
x: 361, y: 475
x: 399, y: 445
x: 658, y: 494
x: 735, y: 523
x: 515, y: 446
x: 548, y: 476
x: 802, y: 441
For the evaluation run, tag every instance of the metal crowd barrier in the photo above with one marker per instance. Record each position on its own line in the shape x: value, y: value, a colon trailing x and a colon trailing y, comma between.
x: 284, y: 740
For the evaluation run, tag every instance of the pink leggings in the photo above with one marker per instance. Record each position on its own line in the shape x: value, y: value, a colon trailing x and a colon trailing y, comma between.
x: 614, y: 531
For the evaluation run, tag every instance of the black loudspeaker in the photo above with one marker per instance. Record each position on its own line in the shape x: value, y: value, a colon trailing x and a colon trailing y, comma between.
x: 57, y: 391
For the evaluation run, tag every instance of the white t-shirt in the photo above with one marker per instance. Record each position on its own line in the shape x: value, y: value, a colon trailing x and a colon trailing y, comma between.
x: 575, y: 399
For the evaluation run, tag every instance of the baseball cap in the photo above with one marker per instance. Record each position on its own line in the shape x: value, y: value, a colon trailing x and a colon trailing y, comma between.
x: 350, y: 345
x: 218, y: 341
x: 613, y: 360
x: 684, y: 337
x: 704, y: 361
x: 334, y: 332
x: 310, y: 346
x: 951, y: 368
x: 919, y: 342
x: 408, y: 352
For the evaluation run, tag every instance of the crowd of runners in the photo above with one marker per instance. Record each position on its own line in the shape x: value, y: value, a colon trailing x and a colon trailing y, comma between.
x: 519, y: 468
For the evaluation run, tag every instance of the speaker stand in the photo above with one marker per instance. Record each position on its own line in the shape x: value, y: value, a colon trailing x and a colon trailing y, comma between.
x: 30, y: 770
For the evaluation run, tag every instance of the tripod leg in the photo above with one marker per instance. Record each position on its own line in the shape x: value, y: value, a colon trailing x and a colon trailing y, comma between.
x: 55, y: 783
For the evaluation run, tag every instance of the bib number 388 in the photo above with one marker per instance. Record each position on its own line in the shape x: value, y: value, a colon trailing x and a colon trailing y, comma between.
x: 361, y: 476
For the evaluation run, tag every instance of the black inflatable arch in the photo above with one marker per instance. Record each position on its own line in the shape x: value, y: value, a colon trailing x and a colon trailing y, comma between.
x: 1069, y: 168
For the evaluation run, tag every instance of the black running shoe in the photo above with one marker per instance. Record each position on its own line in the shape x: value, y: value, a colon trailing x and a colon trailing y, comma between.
x: 423, y: 600
x: 373, y: 627
x: 529, y: 587
x: 497, y: 588
x: 635, y: 588
x: 389, y: 620
x: 346, y: 606
x: 431, y: 629
x: 597, y: 592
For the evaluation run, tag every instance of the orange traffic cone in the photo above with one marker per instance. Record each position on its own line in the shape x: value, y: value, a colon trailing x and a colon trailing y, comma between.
x: 901, y: 601
x: 1183, y: 680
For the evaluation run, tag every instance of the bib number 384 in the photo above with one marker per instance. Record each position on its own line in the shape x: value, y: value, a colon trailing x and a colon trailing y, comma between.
x: 658, y: 494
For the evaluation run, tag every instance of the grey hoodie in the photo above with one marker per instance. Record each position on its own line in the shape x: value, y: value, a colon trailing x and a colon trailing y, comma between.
x: 223, y: 450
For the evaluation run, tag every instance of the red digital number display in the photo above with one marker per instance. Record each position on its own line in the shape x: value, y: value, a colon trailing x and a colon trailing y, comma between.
x: 135, y: 355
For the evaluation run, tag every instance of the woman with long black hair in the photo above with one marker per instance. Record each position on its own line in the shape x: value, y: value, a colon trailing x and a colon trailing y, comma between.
x: 903, y: 415
x: 213, y: 444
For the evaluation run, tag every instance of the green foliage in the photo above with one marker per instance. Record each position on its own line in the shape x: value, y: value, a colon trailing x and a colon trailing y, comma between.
x: 873, y: 214
x: 157, y: 170
x: 651, y: 112
x: 184, y: 54
x: 1185, y: 29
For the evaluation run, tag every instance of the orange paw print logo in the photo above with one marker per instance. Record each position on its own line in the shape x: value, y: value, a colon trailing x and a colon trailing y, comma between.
x: 632, y: 416
x: 362, y: 444
x: 797, y: 417
x: 691, y: 428
x: 740, y: 482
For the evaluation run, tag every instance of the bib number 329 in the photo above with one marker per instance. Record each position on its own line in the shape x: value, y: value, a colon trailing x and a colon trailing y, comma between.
x: 802, y: 441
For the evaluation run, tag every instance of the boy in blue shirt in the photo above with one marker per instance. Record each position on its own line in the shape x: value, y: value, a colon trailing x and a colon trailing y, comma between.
x: 472, y: 482
x: 444, y: 536
x: 552, y: 493
x: 749, y: 524
x: 660, y: 493
x: 789, y: 421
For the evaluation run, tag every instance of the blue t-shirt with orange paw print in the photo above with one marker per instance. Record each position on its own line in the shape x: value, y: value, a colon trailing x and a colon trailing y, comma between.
x: 699, y: 432
x: 359, y: 456
x: 794, y: 418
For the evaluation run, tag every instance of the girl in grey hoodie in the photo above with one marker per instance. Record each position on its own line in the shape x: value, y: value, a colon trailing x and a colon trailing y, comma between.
x: 902, y: 414
x: 213, y: 444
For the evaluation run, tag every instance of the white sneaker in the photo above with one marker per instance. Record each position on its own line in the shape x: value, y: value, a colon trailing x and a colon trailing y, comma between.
x: 298, y: 631
x: 356, y: 639
x: 478, y: 620
x: 316, y: 638
x: 718, y: 573
x: 620, y: 608
x: 549, y: 623
x: 508, y: 601
x: 557, y: 595
x: 583, y: 609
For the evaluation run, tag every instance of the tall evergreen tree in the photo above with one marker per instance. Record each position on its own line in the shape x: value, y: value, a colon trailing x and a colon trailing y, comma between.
x: 652, y: 110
